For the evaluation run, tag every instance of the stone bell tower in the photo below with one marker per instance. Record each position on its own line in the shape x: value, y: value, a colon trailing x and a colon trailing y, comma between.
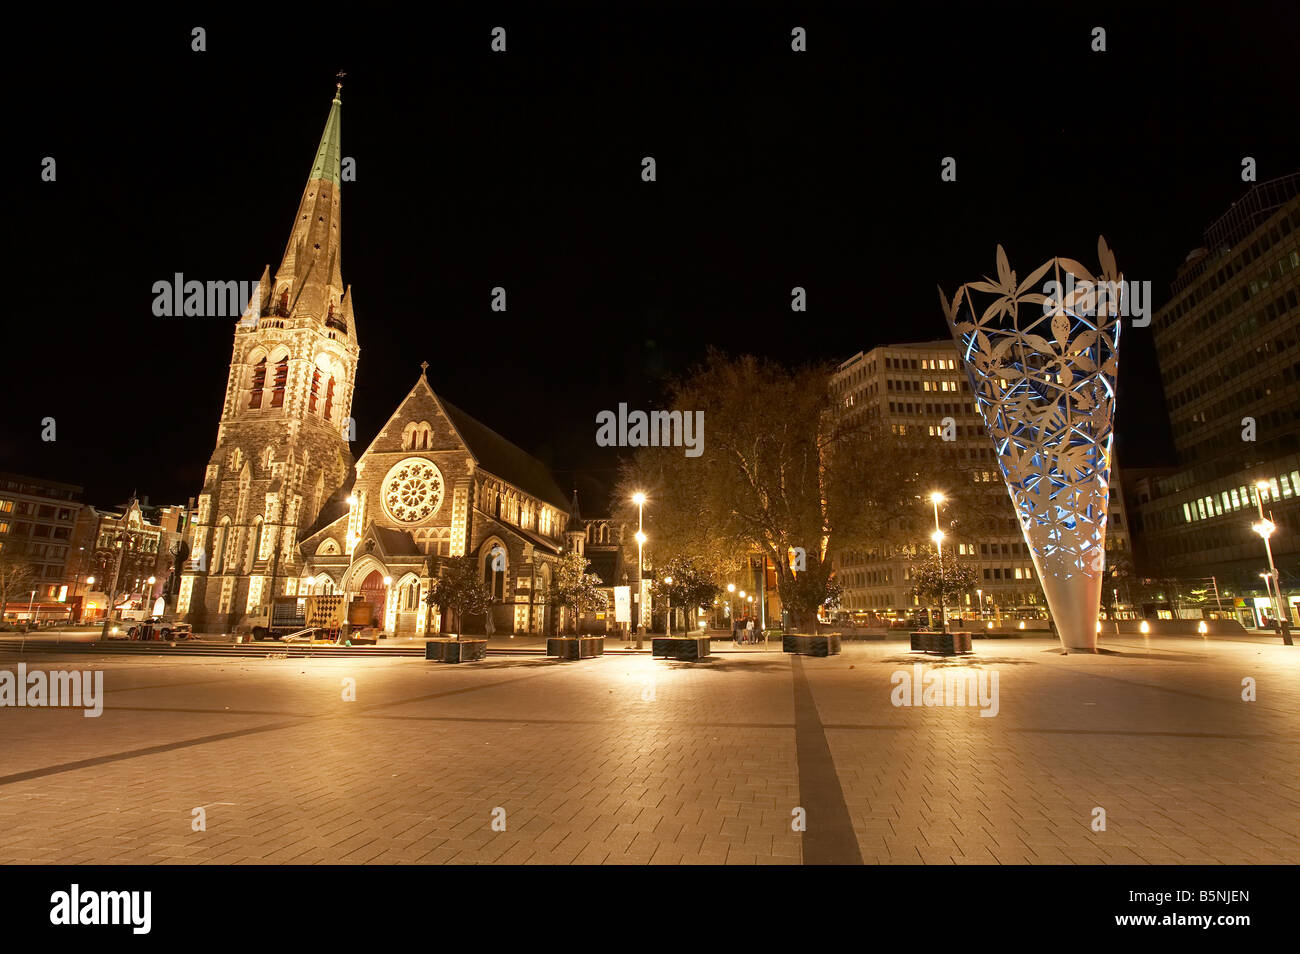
x: 282, y: 441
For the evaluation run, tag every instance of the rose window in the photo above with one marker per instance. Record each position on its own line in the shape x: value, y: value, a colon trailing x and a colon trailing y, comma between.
x: 412, y: 490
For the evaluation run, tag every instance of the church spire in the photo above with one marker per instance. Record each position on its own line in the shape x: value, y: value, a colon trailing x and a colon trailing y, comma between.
x: 309, y: 281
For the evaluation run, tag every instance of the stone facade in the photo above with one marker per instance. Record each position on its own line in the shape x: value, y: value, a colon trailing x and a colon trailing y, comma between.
x: 423, y: 492
x: 284, y: 511
x: 282, y: 445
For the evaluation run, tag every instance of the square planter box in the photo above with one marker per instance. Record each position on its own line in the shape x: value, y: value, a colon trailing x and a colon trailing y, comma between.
x: 570, y: 647
x: 943, y: 644
x: 680, y: 647
x: 808, y: 645
x: 455, y: 650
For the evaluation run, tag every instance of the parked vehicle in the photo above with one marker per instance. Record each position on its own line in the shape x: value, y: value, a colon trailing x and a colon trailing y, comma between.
x: 295, y: 618
x: 158, y: 627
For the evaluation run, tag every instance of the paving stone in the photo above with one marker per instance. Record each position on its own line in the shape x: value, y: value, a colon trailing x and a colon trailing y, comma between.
x: 708, y: 773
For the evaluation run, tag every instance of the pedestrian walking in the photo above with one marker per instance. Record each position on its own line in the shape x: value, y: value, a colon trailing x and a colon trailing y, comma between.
x: 749, y: 629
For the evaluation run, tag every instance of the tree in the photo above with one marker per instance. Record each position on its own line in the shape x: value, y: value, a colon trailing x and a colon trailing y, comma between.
x: 1118, y: 576
x: 460, y: 589
x: 17, y: 576
x: 784, y: 466
x: 576, y: 589
x: 693, y: 584
x: 940, y: 576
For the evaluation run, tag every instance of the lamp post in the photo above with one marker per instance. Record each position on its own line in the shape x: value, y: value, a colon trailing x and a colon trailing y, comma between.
x: 731, y: 606
x: 980, y: 594
x: 1265, y: 529
x: 937, y: 498
x: 937, y: 537
x: 30, y: 603
x: 639, y: 498
x: 90, y: 581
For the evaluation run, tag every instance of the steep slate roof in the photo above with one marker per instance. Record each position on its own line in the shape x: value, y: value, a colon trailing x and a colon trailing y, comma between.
x: 396, y: 542
x: 603, y: 563
x: 536, y: 539
x: 336, y: 506
x: 503, y: 459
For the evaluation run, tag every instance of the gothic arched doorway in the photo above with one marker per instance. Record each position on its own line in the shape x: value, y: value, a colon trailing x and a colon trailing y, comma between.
x: 375, y: 593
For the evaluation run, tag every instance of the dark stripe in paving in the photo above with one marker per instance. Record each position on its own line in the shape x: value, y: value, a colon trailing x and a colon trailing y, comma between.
x: 223, y: 736
x: 137, y: 753
x: 829, y: 839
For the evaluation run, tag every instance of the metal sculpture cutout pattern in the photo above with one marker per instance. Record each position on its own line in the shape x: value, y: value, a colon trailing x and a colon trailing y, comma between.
x: 1042, y: 369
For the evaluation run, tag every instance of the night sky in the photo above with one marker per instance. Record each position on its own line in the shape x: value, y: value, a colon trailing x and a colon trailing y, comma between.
x: 522, y: 169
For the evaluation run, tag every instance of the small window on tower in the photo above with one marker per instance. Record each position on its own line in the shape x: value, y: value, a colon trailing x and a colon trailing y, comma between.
x: 281, y: 379
x: 315, y: 389
x: 259, y: 382
x: 329, y: 399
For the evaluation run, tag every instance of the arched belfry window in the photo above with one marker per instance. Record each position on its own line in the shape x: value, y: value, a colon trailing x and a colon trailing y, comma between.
x: 259, y: 382
x: 333, y: 321
x: 256, y: 551
x: 329, y: 399
x: 315, y: 390
x: 282, y: 308
x: 281, y: 380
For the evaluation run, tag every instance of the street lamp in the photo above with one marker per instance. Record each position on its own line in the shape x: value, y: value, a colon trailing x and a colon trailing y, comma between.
x: 90, y: 581
x: 638, y: 498
x: 937, y: 537
x: 937, y: 498
x: 1265, y: 529
x: 31, y: 619
x: 980, y: 594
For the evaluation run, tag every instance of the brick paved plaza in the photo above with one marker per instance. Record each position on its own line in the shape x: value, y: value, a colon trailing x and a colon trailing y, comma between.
x: 629, y: 760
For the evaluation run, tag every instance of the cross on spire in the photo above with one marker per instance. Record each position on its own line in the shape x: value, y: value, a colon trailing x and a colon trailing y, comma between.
x: 424, y: 367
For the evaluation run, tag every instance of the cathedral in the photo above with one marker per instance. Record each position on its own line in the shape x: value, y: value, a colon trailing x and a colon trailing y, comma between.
x: 285, y: 509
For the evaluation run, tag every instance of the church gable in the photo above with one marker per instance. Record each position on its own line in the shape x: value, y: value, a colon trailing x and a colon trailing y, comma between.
x: 327, y: 539
x: 418, y: 424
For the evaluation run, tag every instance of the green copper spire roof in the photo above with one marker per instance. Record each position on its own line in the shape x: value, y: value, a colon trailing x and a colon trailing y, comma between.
x: 327, y: 161
x: 310, y: 272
